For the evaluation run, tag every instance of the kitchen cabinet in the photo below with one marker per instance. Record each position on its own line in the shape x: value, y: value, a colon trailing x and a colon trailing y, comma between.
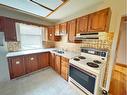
x: 99, y: 21
x: 71, y: 28
x: 31, y: 63
x: 52, y: 60
x: 8, y: 27
x: 57, y: 30
x: 16, y: 66
x: 51, y: 31
x: 63, y: 28
x: 57, y: 64
x: 51, y: 34
x: 82, y: 24
x: 64, y: 67
x: 43, y: 60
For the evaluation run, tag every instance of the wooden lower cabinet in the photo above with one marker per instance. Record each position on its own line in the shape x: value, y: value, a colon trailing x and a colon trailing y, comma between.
x: 24, y: 64
x: 64, y: 67
x: 16, y: 66
x: 52, y: 60
x: 58, y: 64
x: 31, y: 63
x: 43, y: 60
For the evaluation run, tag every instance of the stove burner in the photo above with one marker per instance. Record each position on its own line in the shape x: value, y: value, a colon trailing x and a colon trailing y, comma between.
x: 96, y: 61
x: 81, y: 57
x: 91, y: 64
x: 76, y: 59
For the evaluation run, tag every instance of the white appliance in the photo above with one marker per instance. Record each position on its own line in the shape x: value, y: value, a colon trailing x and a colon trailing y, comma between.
x: 4, y: 73
x: 90, y: 35
x: 86, y: 71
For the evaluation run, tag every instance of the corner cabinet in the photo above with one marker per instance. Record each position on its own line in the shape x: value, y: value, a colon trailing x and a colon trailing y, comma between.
x: 99, y: 21
x: 51, y: 34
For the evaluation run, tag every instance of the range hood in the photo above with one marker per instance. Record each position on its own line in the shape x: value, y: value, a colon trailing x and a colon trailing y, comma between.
x: 90, y: 35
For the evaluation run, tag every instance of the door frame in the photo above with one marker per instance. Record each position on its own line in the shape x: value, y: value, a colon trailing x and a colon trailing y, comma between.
x: 123, y: 19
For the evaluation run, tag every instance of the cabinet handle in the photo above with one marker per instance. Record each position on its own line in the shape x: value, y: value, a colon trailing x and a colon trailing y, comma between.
x: 17, y: 62
x: 31, y: 58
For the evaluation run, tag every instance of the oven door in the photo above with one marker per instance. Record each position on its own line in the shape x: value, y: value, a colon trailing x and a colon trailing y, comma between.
x: 85, y: 79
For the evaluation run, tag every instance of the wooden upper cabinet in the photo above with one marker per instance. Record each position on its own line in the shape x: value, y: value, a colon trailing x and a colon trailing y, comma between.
x: 63, y: 28
x: 8, y: 27
x: 43, y: 60
x: 82, y: 24
x: 57, y: 30
x: 16, y: 66
x: 51, y: 31
x: 71, y: 28
x: 99, y: 21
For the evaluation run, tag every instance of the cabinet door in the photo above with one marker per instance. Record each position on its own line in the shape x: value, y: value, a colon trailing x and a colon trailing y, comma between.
x: 9, y: 29
x: 43, y: 60
x: 63, y: 28
x: 57, y: 64
x: 51, y: 31
x: 64, y: 67
x: 99, y: 21
x: 52, y: 60
x: 64, y: 71
x: 82, y: 24
x: 57, y: 30
x: 71, y: 30
x: 16, y: 67
x: 31, y: 63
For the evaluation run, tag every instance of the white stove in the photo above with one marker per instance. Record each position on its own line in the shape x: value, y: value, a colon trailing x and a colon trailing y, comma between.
x: 88, y: 67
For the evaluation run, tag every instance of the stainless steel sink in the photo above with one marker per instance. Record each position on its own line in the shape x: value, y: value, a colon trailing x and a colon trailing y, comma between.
x: 59, y: 51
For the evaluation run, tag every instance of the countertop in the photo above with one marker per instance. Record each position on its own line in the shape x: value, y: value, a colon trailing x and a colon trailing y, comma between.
x: 67, y: 54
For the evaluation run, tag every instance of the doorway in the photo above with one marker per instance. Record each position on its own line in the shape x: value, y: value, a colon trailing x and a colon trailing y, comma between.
x: 118, y: 84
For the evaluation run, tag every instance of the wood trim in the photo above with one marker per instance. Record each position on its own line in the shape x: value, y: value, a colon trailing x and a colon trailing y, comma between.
x: 123, y: 65
x: 123, y: 19
x: 25, y: 22
x: 58, y: 7
x: 35, y: 2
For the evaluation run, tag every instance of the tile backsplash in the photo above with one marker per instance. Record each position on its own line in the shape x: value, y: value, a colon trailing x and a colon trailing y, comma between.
x: 104, y: 43
x: 13, y: 46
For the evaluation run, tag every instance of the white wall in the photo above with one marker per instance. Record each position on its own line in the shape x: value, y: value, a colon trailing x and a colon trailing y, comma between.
x: 122, y: 47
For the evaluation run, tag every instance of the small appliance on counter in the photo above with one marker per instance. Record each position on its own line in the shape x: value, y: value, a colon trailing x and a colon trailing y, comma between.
x: 86, y: 71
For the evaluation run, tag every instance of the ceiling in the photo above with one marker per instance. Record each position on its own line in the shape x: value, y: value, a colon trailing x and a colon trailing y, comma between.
x: 37, y: 7
x: 50, y: 9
